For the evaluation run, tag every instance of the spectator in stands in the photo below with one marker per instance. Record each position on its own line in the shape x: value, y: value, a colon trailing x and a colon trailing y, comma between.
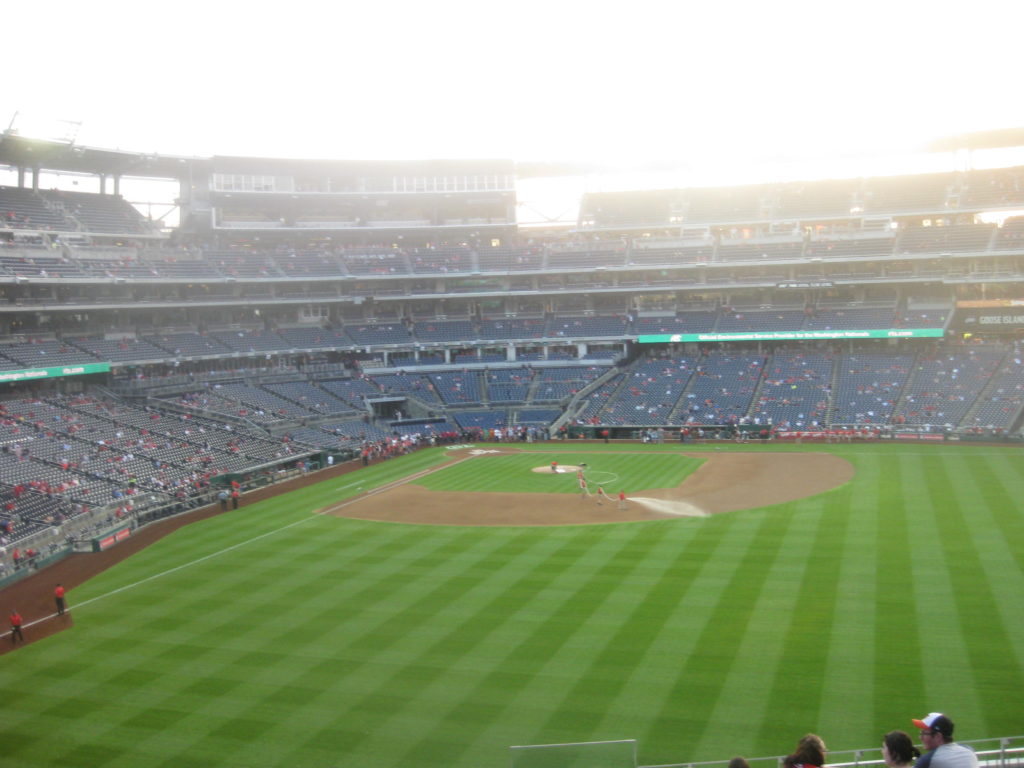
x: 898, y: 750
x: 739, y: 762
x: 942, y: 751
x: 809, y: 753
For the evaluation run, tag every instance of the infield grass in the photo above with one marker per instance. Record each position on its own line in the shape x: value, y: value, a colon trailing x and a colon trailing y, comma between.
x: 271, y: 636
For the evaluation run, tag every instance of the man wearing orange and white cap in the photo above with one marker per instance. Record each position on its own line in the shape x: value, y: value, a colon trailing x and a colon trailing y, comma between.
x: 942, y: 752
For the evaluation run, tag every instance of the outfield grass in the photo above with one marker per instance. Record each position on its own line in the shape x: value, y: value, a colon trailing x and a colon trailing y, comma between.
x: 291, y: 639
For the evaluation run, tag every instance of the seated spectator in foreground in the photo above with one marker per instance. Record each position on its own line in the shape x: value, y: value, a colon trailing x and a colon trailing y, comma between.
x: 943, y: 752
x: 898, y: 750
x: 810, y: 753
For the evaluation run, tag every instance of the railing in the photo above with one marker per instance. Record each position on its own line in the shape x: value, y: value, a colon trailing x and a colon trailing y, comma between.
x: 998, y: 752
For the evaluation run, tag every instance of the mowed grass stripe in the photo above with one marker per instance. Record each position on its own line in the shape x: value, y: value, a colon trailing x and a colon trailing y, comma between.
x: 945, y: 656
x: 794, y: 694
x: 848, y: 700
x: 1000, y: 481
x: 990, y: 631
x: 898, y: 671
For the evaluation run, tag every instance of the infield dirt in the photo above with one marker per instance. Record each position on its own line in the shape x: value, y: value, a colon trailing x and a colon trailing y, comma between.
x: 725, y: 482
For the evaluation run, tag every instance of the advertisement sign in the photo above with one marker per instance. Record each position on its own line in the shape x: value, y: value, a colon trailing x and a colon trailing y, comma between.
x: 33, y: 374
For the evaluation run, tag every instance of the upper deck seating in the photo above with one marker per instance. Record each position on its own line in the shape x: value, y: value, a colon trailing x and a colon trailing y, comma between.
x: 1011, y: 234
x: 687, y: 253
x: 250, y: 341
x: 243, y: 265
x: 120, y: 350
x: 725, y: 204
x: 760, y: 251
x: 850, y: 318
x: 308, y: 264
x: 961, y: 237
x: 738, y: 321
x: 370, y: 262
x: 438, y: 261
x: 367, y: 335
x: 46, y: 354
x: 444, y: 330
x: 587, y: 326
x: 817, y: 199
x: 584, y: 257
x: 313, y: 338
x: 188, y: 344
x: 849, y: 248
x: 510, y: 259
x: 993, y: 188
x: 99, y: 213
x: 22, y: 208
x: 512, y: 328
x: 923, y: 193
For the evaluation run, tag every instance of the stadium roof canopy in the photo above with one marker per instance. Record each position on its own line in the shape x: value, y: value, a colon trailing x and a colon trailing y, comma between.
x: 997, y: 139
x: 20, y: 151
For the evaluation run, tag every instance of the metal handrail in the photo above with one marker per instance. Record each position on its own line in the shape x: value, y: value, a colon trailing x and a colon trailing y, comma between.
x: 996, y: 752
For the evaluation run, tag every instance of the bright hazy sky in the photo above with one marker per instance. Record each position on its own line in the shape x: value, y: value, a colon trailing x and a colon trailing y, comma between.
x: 704, y: 85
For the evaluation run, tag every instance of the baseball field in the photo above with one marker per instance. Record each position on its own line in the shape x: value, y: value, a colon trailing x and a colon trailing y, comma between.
x: 435, y: 609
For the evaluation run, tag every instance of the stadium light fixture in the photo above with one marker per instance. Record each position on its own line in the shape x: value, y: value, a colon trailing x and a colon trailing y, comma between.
x: 31, y: 126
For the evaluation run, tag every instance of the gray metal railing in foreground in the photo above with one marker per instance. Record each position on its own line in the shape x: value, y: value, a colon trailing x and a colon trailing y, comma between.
x: 1001, y: 752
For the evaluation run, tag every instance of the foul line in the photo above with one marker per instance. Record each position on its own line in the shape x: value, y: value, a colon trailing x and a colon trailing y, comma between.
x: 392, y: 485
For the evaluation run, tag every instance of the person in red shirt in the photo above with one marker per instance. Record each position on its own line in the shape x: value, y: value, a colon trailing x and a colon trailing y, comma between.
x: 622, y: 499
x: 16, y: 627
x: 58, y: 596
